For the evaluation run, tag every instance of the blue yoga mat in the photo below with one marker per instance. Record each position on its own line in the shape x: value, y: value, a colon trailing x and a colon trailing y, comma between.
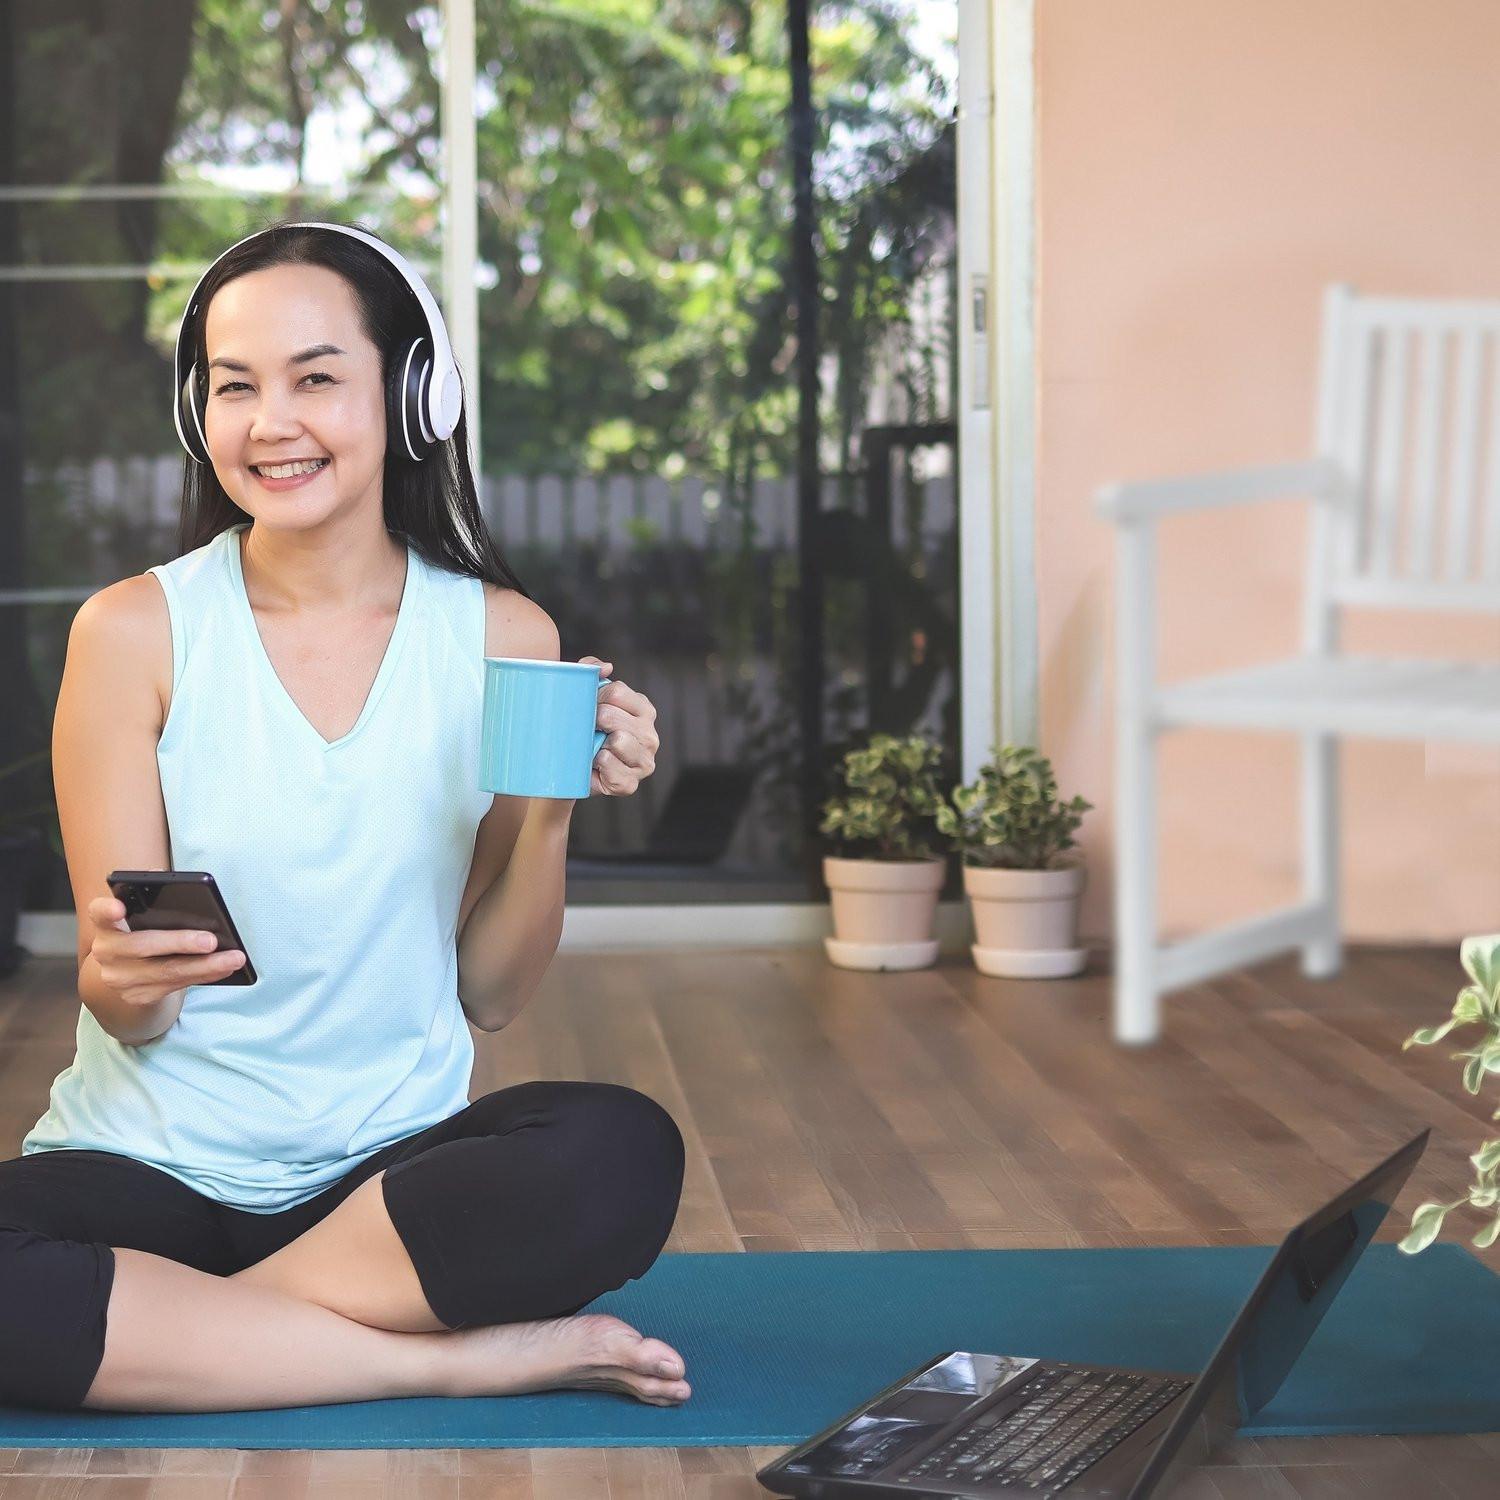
x: 779, y: 1345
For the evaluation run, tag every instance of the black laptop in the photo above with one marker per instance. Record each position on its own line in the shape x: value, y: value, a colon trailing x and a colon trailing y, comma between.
x: 1000, y: 1424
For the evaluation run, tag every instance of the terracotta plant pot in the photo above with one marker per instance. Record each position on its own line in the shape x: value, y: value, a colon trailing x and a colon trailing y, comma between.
x: 1026, y: 921
x: 883, y: 912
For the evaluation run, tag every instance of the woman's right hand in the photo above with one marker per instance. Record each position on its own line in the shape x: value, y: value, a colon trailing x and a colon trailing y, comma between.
x: 142, y: 967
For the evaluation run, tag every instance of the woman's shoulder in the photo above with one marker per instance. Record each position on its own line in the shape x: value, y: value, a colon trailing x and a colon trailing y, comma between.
x: 131, y: 620
x: 517, y: 626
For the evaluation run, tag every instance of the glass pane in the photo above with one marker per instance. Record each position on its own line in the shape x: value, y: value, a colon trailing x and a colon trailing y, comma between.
x: 639, y: 364
x: 641, y: 415
x: 135, y: 155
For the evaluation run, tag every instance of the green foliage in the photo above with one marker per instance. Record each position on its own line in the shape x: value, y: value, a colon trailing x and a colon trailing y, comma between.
x: 1477, y: 1004
x: 893, y: 796
x: 634, y: 200
x: 1010, y: 818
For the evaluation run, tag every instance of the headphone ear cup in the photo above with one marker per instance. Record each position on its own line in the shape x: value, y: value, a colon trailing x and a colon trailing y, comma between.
x: 192, y: 416
x: 405, y: 391
x: 394, y: 447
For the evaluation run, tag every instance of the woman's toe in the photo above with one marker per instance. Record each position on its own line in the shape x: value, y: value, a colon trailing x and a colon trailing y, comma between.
x: 658, y: 1358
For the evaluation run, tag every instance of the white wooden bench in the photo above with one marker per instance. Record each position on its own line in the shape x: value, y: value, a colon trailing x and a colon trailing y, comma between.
x: 1375, y: 540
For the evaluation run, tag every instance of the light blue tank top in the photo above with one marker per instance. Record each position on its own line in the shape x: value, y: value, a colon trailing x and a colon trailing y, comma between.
x: 343, y: 866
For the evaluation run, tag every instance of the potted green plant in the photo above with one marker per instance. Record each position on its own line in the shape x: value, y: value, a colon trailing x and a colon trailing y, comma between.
x: 1478, y: 1004
x: 885, y: 878
x: 18, y: 844
x: 1011, y: 830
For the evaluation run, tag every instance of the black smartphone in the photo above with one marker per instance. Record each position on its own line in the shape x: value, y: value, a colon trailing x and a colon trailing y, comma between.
x: 186, y: 900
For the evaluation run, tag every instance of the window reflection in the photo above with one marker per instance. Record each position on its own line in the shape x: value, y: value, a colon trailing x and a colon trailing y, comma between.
x: 642, y: 417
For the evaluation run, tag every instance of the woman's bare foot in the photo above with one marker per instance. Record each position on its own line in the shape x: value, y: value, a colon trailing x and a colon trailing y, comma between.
x: 592, y: 1351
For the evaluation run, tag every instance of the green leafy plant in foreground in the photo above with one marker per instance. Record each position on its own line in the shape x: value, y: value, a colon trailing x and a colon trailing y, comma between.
x: 1477, y: 1004
x: 1011, y: 818
x: 893, y: 795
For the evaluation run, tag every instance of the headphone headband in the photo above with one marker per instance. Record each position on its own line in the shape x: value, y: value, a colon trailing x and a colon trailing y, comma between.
x: 428, y: 394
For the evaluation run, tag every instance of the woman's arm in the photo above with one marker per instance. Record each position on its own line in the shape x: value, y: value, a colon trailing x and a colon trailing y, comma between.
x: 110, y: 806
x: 512, y: 931
x: 510, y: 917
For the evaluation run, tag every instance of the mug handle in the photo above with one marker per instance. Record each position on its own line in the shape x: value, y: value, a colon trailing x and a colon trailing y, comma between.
x: 600, y: 735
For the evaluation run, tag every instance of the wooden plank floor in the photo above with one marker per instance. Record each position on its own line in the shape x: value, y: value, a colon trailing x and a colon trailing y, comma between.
x: 830, y: 1110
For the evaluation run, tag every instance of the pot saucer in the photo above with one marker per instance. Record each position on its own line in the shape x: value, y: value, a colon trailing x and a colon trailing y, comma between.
x: 849, y: 955
x: 1029, y: 963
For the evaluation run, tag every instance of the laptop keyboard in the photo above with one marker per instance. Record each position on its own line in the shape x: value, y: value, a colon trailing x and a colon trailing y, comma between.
x: 1067, y: 1420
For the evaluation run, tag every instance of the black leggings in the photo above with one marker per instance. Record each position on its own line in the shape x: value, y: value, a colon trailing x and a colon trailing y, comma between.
x: 527, y: 1204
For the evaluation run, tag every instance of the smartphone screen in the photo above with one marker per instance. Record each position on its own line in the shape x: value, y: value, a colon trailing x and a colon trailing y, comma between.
x: 180, y: 900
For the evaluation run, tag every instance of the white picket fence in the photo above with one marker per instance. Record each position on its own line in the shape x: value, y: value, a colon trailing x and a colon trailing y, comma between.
x: 621, y: 511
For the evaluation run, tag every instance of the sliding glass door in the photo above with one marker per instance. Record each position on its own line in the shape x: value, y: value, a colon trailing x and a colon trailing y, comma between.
x: 716, y: 341
x: 717, y: 244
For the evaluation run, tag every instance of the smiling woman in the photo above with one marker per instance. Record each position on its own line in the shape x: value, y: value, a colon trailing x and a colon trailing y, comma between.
x: 295, y: 704
x: 316, y: 653
x: 298, y: 350
x: 294, y: 422
x: 278, y: 467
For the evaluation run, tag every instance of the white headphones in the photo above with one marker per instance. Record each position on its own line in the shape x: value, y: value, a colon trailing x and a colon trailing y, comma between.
x: 423, y: 394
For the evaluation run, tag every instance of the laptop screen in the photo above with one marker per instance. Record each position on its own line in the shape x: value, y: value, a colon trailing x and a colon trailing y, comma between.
x: 1279, y: 1317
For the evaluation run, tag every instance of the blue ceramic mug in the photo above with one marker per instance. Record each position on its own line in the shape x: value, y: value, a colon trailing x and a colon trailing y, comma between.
x: 538, y: 737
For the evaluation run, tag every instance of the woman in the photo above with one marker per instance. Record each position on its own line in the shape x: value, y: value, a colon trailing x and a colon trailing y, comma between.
x: 279, y: 1194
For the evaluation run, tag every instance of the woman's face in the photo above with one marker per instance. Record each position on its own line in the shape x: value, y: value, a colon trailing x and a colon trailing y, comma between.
x: 268, y: 405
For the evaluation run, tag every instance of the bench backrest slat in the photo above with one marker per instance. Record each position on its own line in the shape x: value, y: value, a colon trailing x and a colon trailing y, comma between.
x: 1409, y: 410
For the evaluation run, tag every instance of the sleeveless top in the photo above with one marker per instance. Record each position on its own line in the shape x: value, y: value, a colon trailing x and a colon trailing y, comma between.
x: 343, y: 865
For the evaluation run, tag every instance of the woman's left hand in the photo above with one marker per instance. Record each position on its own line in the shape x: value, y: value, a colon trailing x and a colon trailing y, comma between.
x: 628, y: 755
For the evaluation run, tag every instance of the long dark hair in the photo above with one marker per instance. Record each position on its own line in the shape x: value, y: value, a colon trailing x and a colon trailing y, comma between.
x: 431, y: 505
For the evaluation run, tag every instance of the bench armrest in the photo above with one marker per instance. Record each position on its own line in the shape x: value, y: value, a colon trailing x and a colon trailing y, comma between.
x: 1145, y: 500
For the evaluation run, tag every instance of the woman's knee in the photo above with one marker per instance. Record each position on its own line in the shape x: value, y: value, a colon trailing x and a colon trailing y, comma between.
x: 624, y: 1136
x: 53, y: 1297
x: 590, y: 1123
x: 603, y: 1180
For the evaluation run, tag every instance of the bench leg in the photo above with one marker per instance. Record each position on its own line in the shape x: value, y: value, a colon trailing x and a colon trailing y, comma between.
x: 1137, y: 998
x: 1322, y: 958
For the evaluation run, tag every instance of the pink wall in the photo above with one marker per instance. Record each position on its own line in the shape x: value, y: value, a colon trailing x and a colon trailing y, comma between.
x: 1204, y: 168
